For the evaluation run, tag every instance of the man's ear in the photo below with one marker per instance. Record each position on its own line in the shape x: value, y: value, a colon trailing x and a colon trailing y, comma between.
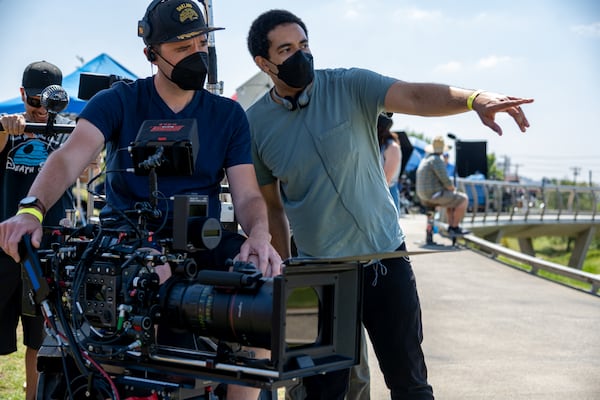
x: 263, y: 64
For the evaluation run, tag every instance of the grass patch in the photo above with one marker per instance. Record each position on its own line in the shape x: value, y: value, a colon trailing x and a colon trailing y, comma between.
x: 12, y: 371
x: 302, y: 298
x: 558, y: 251
x: 513, y: 263
x: 567, y: 281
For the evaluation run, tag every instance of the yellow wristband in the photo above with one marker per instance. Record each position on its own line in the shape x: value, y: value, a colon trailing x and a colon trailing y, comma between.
x: 32, y: 211
x: 472, y: 98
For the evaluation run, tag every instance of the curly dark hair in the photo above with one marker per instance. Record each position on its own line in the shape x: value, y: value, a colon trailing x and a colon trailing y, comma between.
x: 258, y: 43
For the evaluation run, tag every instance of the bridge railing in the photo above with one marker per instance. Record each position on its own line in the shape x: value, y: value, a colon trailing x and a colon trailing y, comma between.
x: 493, y: 201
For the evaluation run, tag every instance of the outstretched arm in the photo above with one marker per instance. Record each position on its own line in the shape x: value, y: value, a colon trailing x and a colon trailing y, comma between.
x: 432, y: 99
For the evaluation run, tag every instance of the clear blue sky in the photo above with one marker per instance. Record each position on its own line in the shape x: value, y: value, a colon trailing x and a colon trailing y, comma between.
x: 548, y: 50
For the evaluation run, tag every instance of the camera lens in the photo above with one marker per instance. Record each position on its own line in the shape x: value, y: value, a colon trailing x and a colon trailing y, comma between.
x: 241, y: 316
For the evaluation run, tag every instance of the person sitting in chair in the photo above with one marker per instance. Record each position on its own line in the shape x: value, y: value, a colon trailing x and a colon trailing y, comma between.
x: 434, y: 187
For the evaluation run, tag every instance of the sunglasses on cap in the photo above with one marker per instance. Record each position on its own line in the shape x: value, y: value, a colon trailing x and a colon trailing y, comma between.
x: 34, y: 102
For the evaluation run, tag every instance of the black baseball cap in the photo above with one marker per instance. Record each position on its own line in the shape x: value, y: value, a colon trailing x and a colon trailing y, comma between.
x: 172, y: 21
x: 39, y: 75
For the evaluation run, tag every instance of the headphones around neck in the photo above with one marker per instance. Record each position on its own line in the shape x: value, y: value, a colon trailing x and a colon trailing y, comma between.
x: 293, y: 103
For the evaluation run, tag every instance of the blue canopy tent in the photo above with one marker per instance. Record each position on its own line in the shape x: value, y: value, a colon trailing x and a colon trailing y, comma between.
x: 101, y: 64
x: 418, y: 152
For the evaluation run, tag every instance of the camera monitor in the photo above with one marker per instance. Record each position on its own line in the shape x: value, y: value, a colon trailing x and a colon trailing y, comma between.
x: 90, y: 83
x: 170, y: 147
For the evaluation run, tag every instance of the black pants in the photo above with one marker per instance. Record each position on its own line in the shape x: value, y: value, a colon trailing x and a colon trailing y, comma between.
x: 392, y: 317
x: 11, y: 309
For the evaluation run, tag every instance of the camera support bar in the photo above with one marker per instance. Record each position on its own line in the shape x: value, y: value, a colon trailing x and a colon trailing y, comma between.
x: 40, y: 128
x: 363, y: 258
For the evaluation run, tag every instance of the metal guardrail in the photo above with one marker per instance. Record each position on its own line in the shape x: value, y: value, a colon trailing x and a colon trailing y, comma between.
x: 504, y: 203
x: 495, y: 201
x: 536, y: 263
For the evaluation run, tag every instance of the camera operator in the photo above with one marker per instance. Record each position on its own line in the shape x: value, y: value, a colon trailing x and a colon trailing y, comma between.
x: 23, y: 155
x: 175, y: 36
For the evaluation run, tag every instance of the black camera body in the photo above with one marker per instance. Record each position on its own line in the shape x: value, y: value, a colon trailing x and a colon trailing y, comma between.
x: 105, y: 304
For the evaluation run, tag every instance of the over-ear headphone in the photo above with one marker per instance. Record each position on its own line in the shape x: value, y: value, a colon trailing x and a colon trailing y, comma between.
x: 144, y: 26
x: 293, y: 103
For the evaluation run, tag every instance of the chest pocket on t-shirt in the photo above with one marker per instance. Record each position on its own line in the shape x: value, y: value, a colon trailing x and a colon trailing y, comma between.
x: 336, y: 149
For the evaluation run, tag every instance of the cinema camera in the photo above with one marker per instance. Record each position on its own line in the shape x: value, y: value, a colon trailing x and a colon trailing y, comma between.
x: 100, y: 295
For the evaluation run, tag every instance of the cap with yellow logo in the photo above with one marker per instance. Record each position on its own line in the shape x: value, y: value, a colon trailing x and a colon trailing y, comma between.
x: 172, y: 21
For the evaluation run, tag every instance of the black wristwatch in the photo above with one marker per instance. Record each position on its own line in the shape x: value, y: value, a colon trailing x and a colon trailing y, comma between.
x: 32, y: 201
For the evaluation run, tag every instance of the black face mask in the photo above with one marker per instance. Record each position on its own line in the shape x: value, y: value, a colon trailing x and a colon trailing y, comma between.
x: 190, y: 73
x: 297, y: 71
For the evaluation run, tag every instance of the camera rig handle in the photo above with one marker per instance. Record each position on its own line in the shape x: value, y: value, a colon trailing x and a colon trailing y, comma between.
x: 37, y: 286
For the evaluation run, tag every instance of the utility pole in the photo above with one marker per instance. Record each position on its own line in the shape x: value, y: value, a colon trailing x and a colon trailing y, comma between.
x: 506, y: 167
x: 575, y: 174
x: 517, y: 170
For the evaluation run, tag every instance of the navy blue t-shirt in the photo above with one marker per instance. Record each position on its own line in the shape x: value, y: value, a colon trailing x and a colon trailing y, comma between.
x: 223, y: 137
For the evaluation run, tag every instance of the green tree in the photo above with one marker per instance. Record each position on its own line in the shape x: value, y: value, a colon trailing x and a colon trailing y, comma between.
x: 494, y: 173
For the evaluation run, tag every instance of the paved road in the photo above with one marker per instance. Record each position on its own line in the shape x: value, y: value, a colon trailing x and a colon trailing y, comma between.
x: 493, y: 332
